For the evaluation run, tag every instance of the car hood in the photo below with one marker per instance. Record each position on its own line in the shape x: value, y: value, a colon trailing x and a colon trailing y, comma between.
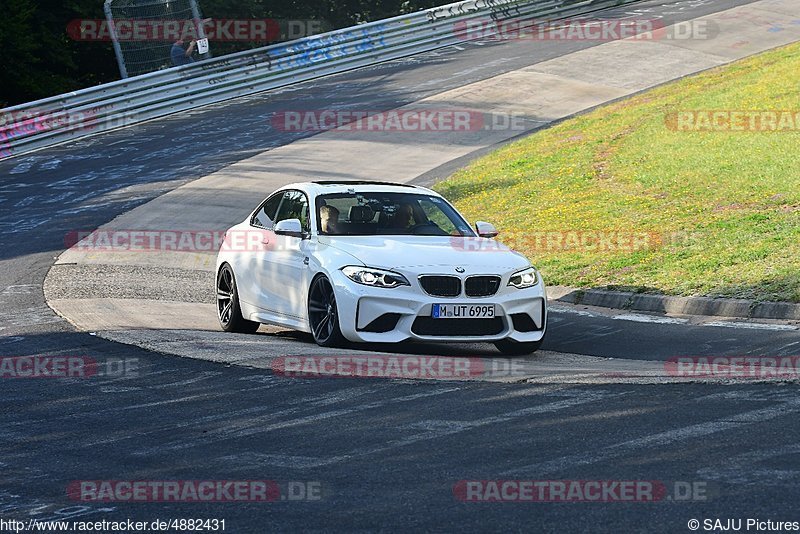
x: 408, y: 252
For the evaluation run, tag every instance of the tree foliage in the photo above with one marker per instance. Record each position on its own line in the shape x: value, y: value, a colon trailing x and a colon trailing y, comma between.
x: 40, y: 59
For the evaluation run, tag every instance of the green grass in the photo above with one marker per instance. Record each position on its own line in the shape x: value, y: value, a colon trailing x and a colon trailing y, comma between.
x: 731, y: 198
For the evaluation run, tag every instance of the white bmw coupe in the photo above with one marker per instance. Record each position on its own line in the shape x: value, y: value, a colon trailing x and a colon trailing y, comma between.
x: 376, y: 262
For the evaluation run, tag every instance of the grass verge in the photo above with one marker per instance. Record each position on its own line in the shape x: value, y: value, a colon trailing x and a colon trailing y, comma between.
x: 630, y: 197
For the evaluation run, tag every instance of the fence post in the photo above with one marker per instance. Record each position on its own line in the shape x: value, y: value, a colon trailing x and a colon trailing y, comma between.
x: 123, y: 72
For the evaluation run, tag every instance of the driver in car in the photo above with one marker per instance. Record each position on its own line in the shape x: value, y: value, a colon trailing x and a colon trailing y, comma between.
x: 404, y: 216
x: 328, y: 219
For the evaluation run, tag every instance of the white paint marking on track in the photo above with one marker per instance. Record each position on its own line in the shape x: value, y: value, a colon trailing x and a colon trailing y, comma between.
x: 782, y: 348
x: 529, y: 391
x: 50, y: 165
x: 221, y: 416
x: 434, y: 429
x: 640, y: 318
x: 250, y: 459
x: 751, y: 326
x: 571, y: 311
x: 205, y: 375
x: 663, y: 319
x: 335, y: 397
x: 748, y: 395
x: 118, y: 389
x: 21, y: 167
x: 427, y: 430
x: 610, y: 452
x: 258, y: 425
x: 744, y: 468
x: 20, y: 289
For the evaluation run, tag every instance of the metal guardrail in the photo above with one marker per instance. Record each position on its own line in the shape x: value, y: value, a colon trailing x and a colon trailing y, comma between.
x: 35, y: 125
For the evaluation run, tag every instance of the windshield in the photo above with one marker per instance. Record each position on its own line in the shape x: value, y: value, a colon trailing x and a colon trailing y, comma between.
x: 370, y: 213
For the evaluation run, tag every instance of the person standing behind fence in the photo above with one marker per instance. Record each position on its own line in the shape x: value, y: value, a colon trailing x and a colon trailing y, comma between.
x: 181, y: 56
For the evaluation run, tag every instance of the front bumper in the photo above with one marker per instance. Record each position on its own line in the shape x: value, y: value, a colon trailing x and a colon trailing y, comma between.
x: 520, y: 314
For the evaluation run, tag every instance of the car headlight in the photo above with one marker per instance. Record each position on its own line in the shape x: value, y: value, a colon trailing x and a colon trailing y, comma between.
x: 527, y: 278
x: 374, y: 277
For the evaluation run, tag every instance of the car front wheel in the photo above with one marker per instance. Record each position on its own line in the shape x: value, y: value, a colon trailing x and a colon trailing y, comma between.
x: 323, y: 315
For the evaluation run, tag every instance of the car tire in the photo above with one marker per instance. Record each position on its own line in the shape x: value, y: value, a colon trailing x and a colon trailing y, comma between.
x: 510, y: 347
x: 323, y: 314
x: 229, y: 312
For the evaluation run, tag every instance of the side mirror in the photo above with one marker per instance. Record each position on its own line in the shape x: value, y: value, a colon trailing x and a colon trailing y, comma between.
x: 290, y: 227
x: 485, y: 229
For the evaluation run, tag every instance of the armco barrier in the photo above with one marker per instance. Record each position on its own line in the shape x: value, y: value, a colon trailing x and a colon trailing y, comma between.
x: 28, y: 127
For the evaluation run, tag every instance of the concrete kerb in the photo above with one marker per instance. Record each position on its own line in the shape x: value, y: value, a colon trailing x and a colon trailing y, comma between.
x: 674, y: 305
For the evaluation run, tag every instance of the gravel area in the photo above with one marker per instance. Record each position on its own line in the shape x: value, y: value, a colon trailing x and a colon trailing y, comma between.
x: 129, y: 282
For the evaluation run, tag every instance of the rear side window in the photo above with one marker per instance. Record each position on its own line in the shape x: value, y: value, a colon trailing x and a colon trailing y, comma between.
x: 265, y: 216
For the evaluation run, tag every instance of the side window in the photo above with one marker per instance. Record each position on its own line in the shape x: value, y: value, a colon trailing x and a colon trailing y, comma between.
x: 265, y: 216
x: 294, y: 206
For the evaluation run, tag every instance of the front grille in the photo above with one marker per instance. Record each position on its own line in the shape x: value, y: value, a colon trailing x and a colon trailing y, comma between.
x: 441, y: 286
x: 428, y: 326
x: 384, y: 323
x: 481, y: 286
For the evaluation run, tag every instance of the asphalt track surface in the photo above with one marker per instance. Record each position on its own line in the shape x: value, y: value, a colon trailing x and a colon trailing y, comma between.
x: 386, y: 454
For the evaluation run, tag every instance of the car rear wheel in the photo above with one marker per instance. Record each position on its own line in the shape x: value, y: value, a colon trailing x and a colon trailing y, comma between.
x: 515, y: 348
x: 228, y: 311
x: 323, y: 315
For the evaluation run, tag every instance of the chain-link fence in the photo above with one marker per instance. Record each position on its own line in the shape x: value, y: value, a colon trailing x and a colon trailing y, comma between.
x: 150, y: 35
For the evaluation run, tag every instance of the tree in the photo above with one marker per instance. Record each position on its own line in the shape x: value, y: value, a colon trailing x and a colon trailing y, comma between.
x: 41, y: 60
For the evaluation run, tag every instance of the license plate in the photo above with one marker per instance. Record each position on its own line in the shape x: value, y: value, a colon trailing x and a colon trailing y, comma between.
x: 463, y: 311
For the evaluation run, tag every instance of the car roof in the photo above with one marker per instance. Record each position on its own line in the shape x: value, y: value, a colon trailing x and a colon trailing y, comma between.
x: 323, y: 187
